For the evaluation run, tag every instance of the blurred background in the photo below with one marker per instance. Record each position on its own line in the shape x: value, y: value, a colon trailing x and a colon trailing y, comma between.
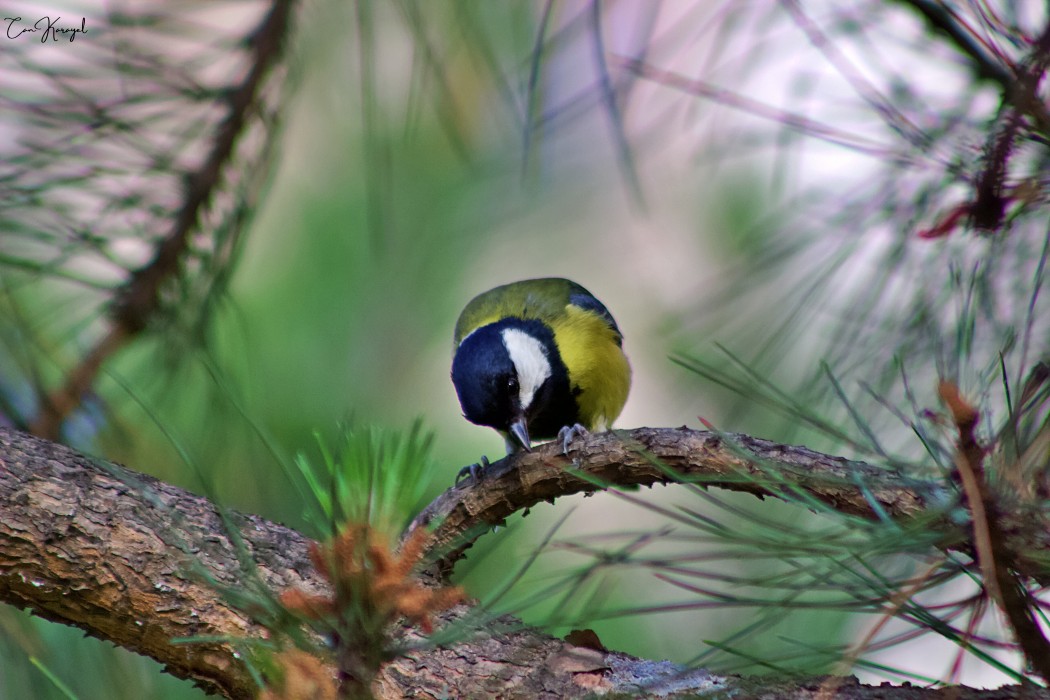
x: 745, y: 186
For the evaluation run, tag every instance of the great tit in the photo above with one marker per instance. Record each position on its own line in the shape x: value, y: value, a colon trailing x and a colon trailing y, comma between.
x: 539, y: 359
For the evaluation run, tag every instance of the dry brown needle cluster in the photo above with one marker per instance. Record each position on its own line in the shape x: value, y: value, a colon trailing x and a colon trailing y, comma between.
x: 303, y: 677
x: 372, y: 587
x: 366, y: 573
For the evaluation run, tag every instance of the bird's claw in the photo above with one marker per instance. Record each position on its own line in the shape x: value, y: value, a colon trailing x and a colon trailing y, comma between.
x: 474, y: 471
x: 569, y: 433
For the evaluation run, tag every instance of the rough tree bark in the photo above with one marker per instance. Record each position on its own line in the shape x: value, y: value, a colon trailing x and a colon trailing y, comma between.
x: 138, y: 562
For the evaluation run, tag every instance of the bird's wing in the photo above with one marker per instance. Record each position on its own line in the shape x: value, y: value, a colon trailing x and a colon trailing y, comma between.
x: 583, y: 299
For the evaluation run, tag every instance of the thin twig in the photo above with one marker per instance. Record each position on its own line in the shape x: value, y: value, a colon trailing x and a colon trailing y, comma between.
x: 994, y: 555
x: 985, y: 66
x: 138, y: 300
x: 1020, y: 103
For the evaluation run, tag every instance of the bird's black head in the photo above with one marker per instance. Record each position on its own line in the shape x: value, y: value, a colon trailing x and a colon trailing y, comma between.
x: 509, y: 374
x: 486, y: 380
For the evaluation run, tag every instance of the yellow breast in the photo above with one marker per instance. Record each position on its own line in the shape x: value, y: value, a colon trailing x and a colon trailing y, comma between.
x: 598, y: 369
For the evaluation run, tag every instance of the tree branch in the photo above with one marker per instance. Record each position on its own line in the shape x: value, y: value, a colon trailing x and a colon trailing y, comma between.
x: 137, y: 301
x: 993, y: 554
x: 124, y: 557
x: 647, y: 456
x: 130, y: 559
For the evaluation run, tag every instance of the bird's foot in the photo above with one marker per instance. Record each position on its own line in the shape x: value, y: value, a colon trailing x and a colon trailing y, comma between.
x: 569, y: 433
x: 474, y: 471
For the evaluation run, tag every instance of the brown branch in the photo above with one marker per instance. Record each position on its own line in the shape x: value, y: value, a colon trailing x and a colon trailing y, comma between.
x: 140, y: 297
x: 1021, y: 102
x: 1021, y: 105
x: 730, y: 461
x: 128, y: 559
x: 112, y: 552
x: 994, y: 554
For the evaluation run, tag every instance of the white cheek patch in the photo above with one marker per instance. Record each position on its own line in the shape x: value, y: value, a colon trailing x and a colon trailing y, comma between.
x: 530, y: 361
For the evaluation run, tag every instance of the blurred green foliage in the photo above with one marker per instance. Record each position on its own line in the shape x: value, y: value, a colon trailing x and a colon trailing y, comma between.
x: 86, y: 667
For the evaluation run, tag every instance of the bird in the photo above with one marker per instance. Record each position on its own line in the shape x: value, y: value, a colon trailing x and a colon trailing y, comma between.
x: 539, y: 359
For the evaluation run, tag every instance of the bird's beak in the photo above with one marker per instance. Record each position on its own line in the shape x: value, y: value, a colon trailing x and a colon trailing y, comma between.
x: 521, y: 432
